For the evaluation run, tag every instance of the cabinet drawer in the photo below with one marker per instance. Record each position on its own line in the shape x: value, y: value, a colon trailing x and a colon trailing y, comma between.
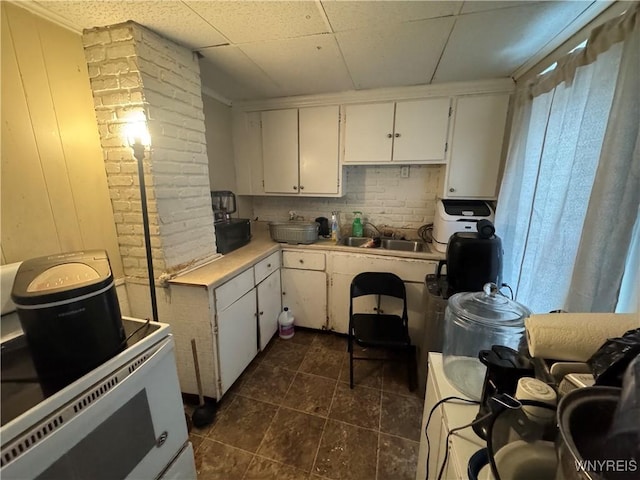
x: 266, y: 266
x: 232, y: 290
x: 303, y: 260
x: 409, y: 270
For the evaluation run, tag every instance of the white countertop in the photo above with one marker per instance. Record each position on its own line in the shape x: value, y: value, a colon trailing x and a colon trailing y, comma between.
x: 261, y: 246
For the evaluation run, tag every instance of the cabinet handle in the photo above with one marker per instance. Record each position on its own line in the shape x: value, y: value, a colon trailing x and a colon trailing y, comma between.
x: 397, y: 135
x: 452, y: 189
x: 301, y: 261
x: 268, y: 265
x: 261, y: 313
x: 295, y: 188
x: 301, y: 187
x: 284, y: 293
x: 389, y: 135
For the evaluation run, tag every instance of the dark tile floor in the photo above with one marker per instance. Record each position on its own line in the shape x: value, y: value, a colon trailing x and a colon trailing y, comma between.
x: 292, y: 416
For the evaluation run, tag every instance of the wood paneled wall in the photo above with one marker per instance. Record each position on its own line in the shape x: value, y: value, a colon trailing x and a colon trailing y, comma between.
x: 54, y: 195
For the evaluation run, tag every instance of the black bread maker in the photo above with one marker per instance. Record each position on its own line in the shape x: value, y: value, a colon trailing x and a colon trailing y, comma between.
x: 69, y: 312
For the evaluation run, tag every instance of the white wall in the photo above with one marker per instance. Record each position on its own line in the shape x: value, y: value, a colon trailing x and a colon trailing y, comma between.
x: 217, y: 122
x: 378, y: 191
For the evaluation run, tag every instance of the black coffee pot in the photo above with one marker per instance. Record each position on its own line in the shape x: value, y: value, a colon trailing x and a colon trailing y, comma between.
x: 505, y: 367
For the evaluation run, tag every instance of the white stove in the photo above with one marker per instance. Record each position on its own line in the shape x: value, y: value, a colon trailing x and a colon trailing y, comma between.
x: 122, y: 420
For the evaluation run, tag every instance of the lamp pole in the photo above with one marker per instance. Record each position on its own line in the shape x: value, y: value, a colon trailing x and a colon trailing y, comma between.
x: 138, y: 153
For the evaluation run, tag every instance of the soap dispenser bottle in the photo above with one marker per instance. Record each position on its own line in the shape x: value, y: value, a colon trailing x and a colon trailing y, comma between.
x: 356, y: 227
x: 335, y: 226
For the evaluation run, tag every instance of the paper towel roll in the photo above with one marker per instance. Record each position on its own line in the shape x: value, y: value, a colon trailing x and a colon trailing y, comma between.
x: 575, y: 336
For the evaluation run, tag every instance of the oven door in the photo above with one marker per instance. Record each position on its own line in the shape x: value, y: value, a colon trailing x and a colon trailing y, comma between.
x: 129, y: 425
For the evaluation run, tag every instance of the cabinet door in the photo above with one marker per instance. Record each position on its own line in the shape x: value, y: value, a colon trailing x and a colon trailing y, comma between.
x: 305, y: 293
x: 476, y: 146
x: 368, y: 133
x: 319, y: 154
x: 420, y: 132
x: 269, y: 307
x: 280, y: 150
x: 237, y: 339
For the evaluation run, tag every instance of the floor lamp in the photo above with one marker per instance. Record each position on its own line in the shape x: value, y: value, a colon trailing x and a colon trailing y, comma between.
x: 139, y: 140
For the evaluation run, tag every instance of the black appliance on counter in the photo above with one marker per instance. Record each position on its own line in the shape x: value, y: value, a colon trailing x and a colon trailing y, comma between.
x: 473, y: 259
x: 323, y: 230
x: 68, y: 309
x: 231, y: 233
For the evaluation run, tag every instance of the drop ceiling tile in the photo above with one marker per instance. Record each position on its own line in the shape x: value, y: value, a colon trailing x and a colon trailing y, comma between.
x: 351, y: 15
x: 171, y: 19
x: 229, y: 72
x: 495, y: 43
x: 302, y: 66
x: 481, y: 6
x: 406, y: 54
x: 251, y: 21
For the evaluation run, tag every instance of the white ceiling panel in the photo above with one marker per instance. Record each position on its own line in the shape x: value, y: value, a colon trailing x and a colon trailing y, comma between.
x: 171, y: 19
x: 406, y: 54
x: 304, y: 65
x: 495, y: 43
x: 481, y: 6
x: 249, y: 21
x: 352, y: 15
x: 231, y: 73
x: 260, y: 49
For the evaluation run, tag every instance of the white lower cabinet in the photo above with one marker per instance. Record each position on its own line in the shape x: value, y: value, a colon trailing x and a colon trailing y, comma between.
x: 237, y: 338
x: 304, y: 292
x: 269, y: 307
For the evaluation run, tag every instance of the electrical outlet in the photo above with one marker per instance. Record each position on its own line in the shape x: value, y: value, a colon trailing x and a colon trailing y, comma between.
x: 404, y: 172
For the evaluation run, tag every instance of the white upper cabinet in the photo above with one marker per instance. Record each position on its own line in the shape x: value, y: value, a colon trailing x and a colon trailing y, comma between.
x: 280, y: 150
x: 369, y: 133
x: 319, y: 151
x: 413, y: 131
x: 476, y: 146
x: 300, y: 151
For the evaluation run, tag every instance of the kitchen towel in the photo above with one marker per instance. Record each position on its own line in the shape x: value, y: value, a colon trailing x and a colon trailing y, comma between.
x: 575, y: 336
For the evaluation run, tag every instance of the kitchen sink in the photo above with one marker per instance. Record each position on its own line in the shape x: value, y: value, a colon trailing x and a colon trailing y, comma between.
x: 387, y: 244
x: 404, y: 245
x: 353, y: 241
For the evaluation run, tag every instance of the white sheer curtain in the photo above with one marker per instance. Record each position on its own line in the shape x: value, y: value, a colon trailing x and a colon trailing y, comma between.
x: 556, y: 148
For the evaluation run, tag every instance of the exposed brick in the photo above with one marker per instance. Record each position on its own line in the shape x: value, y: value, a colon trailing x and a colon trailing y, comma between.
x: 95, y: 37
x: 115, y: 67
x: 104, y: 83
x: 116, y: 51
x: 95, y: 54
x: 130, y: 81
x: 94, y: 71
x: 121, y: 33
x: 162, y: 79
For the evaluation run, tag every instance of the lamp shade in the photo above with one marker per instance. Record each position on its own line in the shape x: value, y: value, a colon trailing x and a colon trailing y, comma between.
x: 137, y: 132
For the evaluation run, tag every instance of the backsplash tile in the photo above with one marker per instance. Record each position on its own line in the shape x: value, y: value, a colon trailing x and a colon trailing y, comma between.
x: 378, y: 192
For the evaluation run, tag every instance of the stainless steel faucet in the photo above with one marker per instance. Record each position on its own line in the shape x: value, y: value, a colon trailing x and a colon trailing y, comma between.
x: 373, y: 227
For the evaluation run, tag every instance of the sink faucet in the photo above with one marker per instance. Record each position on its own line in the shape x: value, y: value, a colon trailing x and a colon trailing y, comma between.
x: 373, y: 227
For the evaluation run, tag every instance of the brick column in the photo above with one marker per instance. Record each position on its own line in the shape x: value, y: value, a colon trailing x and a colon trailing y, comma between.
x: 135, y: 71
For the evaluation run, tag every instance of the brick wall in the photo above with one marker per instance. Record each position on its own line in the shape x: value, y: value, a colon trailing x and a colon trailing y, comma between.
x: 134, y: 70
x: 378, y: 191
